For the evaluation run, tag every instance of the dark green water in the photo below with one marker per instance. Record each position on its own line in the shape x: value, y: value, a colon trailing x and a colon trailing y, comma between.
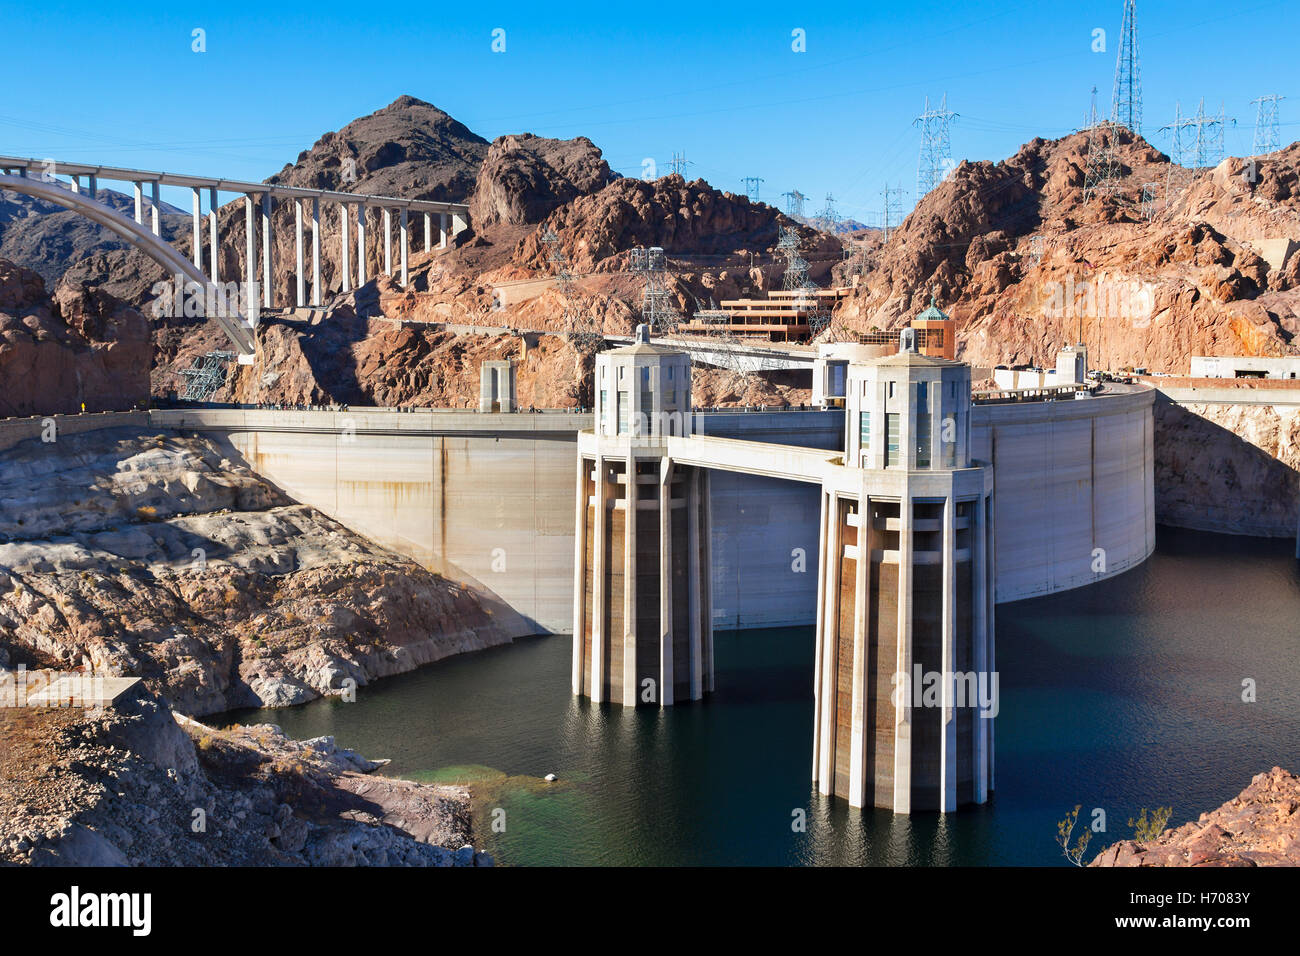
x: 1122, y: 695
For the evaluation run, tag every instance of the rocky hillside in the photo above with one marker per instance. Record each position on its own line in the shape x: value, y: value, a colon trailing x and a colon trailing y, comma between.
x: 1259, y: 827
x: 159, y: 556
x: 128, y: 786
x: 47, y: 238
x: 80, y: 346
x: 1192, y: 280
x: 691, y: 221
x: 408, y: 148
x: 523, y: 178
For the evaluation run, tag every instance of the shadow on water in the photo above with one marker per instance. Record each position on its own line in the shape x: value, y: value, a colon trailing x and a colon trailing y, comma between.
x: 1118, y: 696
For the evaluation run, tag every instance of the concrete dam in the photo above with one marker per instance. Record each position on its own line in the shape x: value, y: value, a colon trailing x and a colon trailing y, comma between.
x: 487, y: 499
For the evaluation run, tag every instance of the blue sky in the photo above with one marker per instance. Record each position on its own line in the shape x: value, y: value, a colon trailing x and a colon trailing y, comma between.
x: 719, y: 82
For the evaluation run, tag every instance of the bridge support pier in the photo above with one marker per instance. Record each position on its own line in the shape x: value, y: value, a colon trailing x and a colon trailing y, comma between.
x: 197, y: 232
x: 214, y: 250
x: 404, y: 230
x: 300, y: 279
x: 361, y: 244
x: 388, y: 241
x: 345, y: 267
x: 267, y: 244
x: 250, y: 256
x: 315, y: 252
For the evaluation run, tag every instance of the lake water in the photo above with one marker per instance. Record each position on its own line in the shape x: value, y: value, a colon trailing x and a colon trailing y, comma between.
x: 1118, y: 696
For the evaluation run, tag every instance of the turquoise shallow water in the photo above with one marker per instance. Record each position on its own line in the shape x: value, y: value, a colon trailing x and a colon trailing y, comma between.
x: 1122, y: 695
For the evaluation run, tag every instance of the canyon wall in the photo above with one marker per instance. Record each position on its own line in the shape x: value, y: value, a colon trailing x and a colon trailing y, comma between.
x: 1230, y: 468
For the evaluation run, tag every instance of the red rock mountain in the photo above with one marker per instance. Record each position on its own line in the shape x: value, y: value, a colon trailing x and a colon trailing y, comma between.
x: 523, y: 178
x: 1192, y: 279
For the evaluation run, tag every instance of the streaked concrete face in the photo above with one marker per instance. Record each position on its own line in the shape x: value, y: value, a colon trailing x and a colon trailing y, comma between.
x: 1074, y: 488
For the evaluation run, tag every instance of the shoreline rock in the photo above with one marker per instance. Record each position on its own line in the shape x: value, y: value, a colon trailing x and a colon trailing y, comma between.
x: 133, y: 785
x: 1259, y: 827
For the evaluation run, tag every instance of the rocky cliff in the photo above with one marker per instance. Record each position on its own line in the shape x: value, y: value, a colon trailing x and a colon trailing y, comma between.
x: 1259, y: 827
x: 163, y: 557
x: 1233, y: 469
x: 80, y: 346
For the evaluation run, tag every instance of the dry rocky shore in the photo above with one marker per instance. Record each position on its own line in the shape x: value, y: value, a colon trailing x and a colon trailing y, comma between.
x: 160, y: 557
x: 130, y: 785
x: 157, y: 556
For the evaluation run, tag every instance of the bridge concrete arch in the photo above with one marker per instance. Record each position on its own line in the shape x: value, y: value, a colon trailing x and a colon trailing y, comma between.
x: 235, y: 326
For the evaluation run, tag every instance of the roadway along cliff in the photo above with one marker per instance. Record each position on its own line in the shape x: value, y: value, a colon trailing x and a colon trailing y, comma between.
x: 158, y: 556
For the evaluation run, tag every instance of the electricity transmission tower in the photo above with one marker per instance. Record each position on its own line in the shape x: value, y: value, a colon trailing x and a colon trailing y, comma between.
x: 796, y: 267
x: 205, y: 376
x: 1102, y: 171
x: 1126, y: 105
x: 576, y: 325
x: 1266, y: 138
x: 679, y: 164
x: 1150, y: 196
x: 751, y: 187
x: 893, y: 214
x: 1204, y: 132
x: 828, y: 218
x: 1035, y: 249
x: 936, y: 148
x: 794, y: 203
x: 656, y: 301
x: 736, y: 369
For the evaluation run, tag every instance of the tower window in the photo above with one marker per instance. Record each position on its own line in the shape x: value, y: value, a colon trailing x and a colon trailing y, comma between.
x: 864, y: 430
x: 891, y: 438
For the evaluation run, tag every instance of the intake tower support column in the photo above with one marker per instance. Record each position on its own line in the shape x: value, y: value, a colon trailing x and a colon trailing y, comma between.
x: 904, y: 676
x: 642, y: 608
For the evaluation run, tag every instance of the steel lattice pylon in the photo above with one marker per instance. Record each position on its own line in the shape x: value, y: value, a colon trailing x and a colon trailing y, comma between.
x: 1126, y: 104
x: 657, y: 309
x: 936, y: 147
x: 1266, y: 136
x: 205, y: 376
x: 575, y: 322
x: 1102, y: 170
x: 737, y: 369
